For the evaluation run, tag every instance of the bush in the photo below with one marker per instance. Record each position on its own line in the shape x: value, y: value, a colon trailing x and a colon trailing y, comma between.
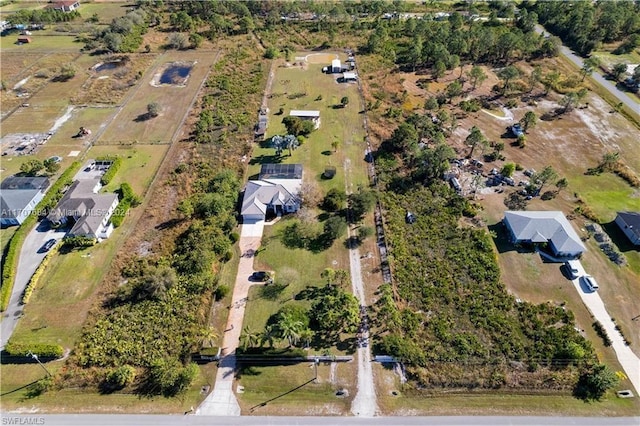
x: 169, y: 378
x: 508, y: 169
x: 334, y: 227
x: 221, y: 292
x: 365, y: 232
x: 79, y: 241
x: 271, y: 53
x: 121, y: 377
x: 472, y: 105
x: 113, y: 169
x: 334, y: 200
x: 602, y: 333
x: 43, y: 350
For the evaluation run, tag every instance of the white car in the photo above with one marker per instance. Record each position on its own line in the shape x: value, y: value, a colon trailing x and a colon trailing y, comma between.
x: 573, y: 268
x: 590, y: 282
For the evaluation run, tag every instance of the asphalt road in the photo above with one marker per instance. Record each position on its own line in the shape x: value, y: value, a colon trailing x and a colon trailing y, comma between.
x: 177, y: 420
x: 30, y: 258
x: 621, y: 95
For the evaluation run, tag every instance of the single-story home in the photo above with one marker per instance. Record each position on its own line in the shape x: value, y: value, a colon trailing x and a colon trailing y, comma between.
x: 275, y: 192
x: 19, y: 196
x: 313, y: 116
x: 66, y: 5
x: 88, y: 211
x: 336, y: 66
x: 551, y: 227
x: 629, y: 223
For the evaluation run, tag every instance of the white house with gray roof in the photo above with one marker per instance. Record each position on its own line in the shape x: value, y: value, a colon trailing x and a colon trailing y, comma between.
x: 275, y: 192
x: 550, y: 227
x: 19, y: 196
x: 88, y: 211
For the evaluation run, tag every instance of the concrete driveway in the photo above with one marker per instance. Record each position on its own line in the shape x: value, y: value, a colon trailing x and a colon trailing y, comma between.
x: 30, y: 258
x: 222, y: 401
x: 592, y: 300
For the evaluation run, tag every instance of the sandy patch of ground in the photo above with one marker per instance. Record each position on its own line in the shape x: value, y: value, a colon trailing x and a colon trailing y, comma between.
x: 321, y: 58
x: 60, y: 121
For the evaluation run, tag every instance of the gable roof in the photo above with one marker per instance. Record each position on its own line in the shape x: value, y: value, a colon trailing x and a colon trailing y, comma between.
x: 542, y: 226
x: 259, y: 194
x: 17, y: 192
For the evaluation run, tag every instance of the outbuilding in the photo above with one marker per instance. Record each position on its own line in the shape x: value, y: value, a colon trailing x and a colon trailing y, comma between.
x: 336, y: 66
x: 629, y: 223
x: 23, y: 39
x: 349, y: 76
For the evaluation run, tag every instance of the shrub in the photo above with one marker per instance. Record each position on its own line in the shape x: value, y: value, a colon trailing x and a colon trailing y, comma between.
x: 113, y: 169
x: 508, y: 169
x: 169, y: 378
x: 472, y: 105
x: 43, y: 350
x: 35, y: 278
x: 334, y: 200
x: 221, y: 292
x: 606, y: 340
x: 79, y: 241
x: 271, y: 53
x: 365, y: 232
x: 121, y: 377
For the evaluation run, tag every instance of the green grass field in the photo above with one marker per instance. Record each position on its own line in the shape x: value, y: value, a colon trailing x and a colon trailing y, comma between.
x: 272, y: 384
x: 40, y: 42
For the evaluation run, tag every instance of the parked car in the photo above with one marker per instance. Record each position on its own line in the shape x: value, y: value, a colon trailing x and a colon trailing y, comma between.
x: 590, y: 282
x: 573, y: 268
x: 261, y: 276
x: 47, y: 246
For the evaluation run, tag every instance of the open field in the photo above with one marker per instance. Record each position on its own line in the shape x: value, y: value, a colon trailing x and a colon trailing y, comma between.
x: 40, y: 43
x: 131, y: 124
x: 412, y: 403
x: 262, y: 384
x: 15, y: 396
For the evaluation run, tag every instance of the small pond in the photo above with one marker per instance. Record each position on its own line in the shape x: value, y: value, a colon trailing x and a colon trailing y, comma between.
x: 176, y: 73
x: 105, y: 66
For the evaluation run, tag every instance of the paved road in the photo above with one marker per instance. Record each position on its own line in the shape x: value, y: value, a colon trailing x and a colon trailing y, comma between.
x: 30, y: 258
x: 177, y: 420
x: 628, y: 360
x: 624, y: 97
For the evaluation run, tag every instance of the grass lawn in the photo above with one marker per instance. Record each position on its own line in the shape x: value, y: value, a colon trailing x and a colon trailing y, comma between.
x: 139, y: 164
x: 5, y: 237
x: 262, y: 384
x: 303, y: 264
x: 40, y: 42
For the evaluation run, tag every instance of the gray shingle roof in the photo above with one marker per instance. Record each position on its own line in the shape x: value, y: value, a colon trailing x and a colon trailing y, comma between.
x: 542, y: 226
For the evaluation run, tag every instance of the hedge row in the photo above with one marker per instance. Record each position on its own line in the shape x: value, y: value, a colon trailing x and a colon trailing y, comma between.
x: 128, y: 199
x: 113, y: 169
x: 43, y: 350
x: 10, y: 264
x: 33, y: 282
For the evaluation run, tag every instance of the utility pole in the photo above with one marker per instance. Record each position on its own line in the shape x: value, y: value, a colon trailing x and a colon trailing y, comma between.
x: 34, y: 356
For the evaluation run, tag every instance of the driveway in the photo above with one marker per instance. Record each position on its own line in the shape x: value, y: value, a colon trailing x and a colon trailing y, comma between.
x: 621, y: 95
x: 628, y: 360
x: 30, y: 258
x: 222, y: 401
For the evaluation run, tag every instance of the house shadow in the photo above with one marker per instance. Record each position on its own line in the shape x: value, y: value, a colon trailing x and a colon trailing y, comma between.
x: 500, y: 237
x: 618, y: 237
x: 262, y: 159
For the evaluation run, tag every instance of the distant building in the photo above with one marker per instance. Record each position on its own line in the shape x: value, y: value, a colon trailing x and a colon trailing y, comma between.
x: 336, y: 66
x: 19, y: 196
x: 275, y: 192
x: 313, y: 116
x: 65, y: 5
x: 539, y: 227
x: 84, y: 209
x: 629, y: 223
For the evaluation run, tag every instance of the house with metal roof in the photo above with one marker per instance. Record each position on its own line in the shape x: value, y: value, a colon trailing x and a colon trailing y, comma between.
x: 629, y: 223
x: 313, y: 116
x: 539, y: 227
x: 275, y: 192
x: 19, y: 196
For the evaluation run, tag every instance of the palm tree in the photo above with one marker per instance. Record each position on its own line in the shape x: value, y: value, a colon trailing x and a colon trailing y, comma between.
x: 209, y: 336
x: 306, y: 335
x: 249, y: 338
x: 290, y: 328
x: 269, y: 335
